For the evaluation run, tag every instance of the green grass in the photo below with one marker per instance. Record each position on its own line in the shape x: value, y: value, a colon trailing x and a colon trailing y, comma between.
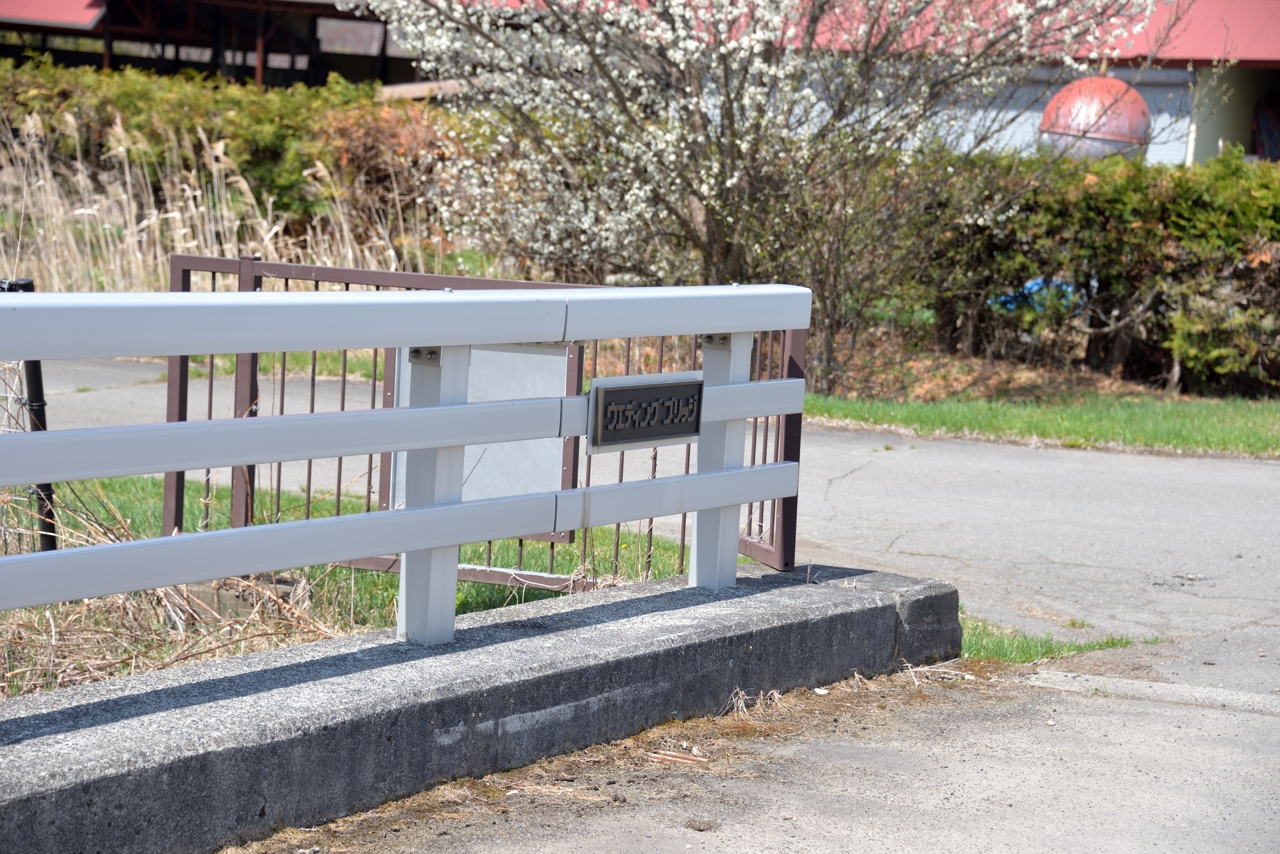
x: 984, y: 640
x: 1231, y: 425
x: 130, y: 508
x: 328, y: 364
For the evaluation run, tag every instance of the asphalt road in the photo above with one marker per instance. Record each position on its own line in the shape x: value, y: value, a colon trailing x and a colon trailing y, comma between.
x: 1184, y: 550
x: 1181, y: 551
x: 972, y: 766
x: 969, y: 776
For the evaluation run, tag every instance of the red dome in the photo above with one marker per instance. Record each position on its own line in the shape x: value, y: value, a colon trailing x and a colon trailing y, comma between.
x: 1101, y: 109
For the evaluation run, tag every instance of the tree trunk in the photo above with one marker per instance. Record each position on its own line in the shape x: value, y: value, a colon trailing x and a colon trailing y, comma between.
x: 945, y: 334
x: 1095, y: 352
x: 1175, y: 376
x: 827, y: 355
x: 970, y: 332
x: 1119, y: 353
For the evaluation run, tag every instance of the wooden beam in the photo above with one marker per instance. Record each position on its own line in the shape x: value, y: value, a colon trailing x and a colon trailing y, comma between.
x: 106, y: 37
x: 261, y: 44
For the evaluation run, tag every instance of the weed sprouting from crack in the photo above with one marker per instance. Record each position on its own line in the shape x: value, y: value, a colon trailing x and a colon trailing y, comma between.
x: 742, y: 705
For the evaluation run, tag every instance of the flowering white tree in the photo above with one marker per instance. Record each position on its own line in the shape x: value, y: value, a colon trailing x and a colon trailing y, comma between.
x: 733, y: 140
x: 656, y: 137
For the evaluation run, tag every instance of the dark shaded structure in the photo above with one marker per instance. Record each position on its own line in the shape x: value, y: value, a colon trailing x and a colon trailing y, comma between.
x: 270, y: 42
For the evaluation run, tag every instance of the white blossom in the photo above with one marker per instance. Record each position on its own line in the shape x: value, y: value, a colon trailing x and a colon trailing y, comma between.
x: 647, y: 136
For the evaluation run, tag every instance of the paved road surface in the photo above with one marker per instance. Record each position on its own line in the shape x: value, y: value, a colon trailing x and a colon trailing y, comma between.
x: 1181, y: 550
x: 985, y: 767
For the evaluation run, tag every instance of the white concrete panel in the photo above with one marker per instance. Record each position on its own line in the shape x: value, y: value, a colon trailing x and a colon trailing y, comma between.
x: 513, y: 372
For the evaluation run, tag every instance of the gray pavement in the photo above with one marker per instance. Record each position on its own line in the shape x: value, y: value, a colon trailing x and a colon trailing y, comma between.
x: 1113, y: 776
x: 1180, y: 550
x: 977, y: 766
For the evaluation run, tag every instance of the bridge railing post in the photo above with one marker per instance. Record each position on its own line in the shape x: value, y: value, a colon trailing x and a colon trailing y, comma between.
x: 429, y: 578
x: 726, y: 359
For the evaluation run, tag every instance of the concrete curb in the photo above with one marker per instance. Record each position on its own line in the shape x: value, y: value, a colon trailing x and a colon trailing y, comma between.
x: 222, y: 752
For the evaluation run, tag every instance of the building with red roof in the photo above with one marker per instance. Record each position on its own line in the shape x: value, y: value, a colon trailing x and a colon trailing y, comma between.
x: 273, y: 42
x: 1195, y: 112
x: 1237, y: 106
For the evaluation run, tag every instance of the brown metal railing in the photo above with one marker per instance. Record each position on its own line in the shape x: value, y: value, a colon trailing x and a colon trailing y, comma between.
x: 774, y: 544
x: 769, y: 532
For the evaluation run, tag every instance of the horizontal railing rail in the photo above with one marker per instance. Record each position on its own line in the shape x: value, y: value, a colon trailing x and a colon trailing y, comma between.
x: 62, y: 455
x: 768, y: 536
x: 438, y: 328
x: 81, y: 573
x: 84, y: 326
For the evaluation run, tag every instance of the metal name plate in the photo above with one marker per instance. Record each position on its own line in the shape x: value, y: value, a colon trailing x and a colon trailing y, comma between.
x: 643, y: 414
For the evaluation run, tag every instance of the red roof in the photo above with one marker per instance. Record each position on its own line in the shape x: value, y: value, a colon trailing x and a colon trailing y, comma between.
x: 54, y: 14
x: 1243, y: 30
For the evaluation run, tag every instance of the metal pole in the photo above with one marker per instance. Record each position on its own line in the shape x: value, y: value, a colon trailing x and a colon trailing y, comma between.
x: 33, y: 380
x: 171, y: 515
x: 788, y: 444
x: 246, y: 406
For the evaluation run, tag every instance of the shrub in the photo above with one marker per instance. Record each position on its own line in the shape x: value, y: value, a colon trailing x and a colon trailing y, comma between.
x: 272, y: 135
x: 1163, y: 274
x: 1152, y: 272
x: 106, y: 173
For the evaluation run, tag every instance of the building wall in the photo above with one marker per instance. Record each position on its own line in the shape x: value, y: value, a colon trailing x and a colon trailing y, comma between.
x: 1224, y: 108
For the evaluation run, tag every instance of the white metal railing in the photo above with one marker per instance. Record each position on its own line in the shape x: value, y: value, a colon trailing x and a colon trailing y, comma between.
x: 439, y: 329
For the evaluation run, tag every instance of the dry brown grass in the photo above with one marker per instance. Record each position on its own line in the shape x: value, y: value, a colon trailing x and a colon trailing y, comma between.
x: 70, y: 643
x: 75, y: 227
x: 13, y: 536
x: 884, y: 367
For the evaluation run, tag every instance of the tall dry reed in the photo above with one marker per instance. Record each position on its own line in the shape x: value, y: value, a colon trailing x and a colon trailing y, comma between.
x: 73, y: 226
